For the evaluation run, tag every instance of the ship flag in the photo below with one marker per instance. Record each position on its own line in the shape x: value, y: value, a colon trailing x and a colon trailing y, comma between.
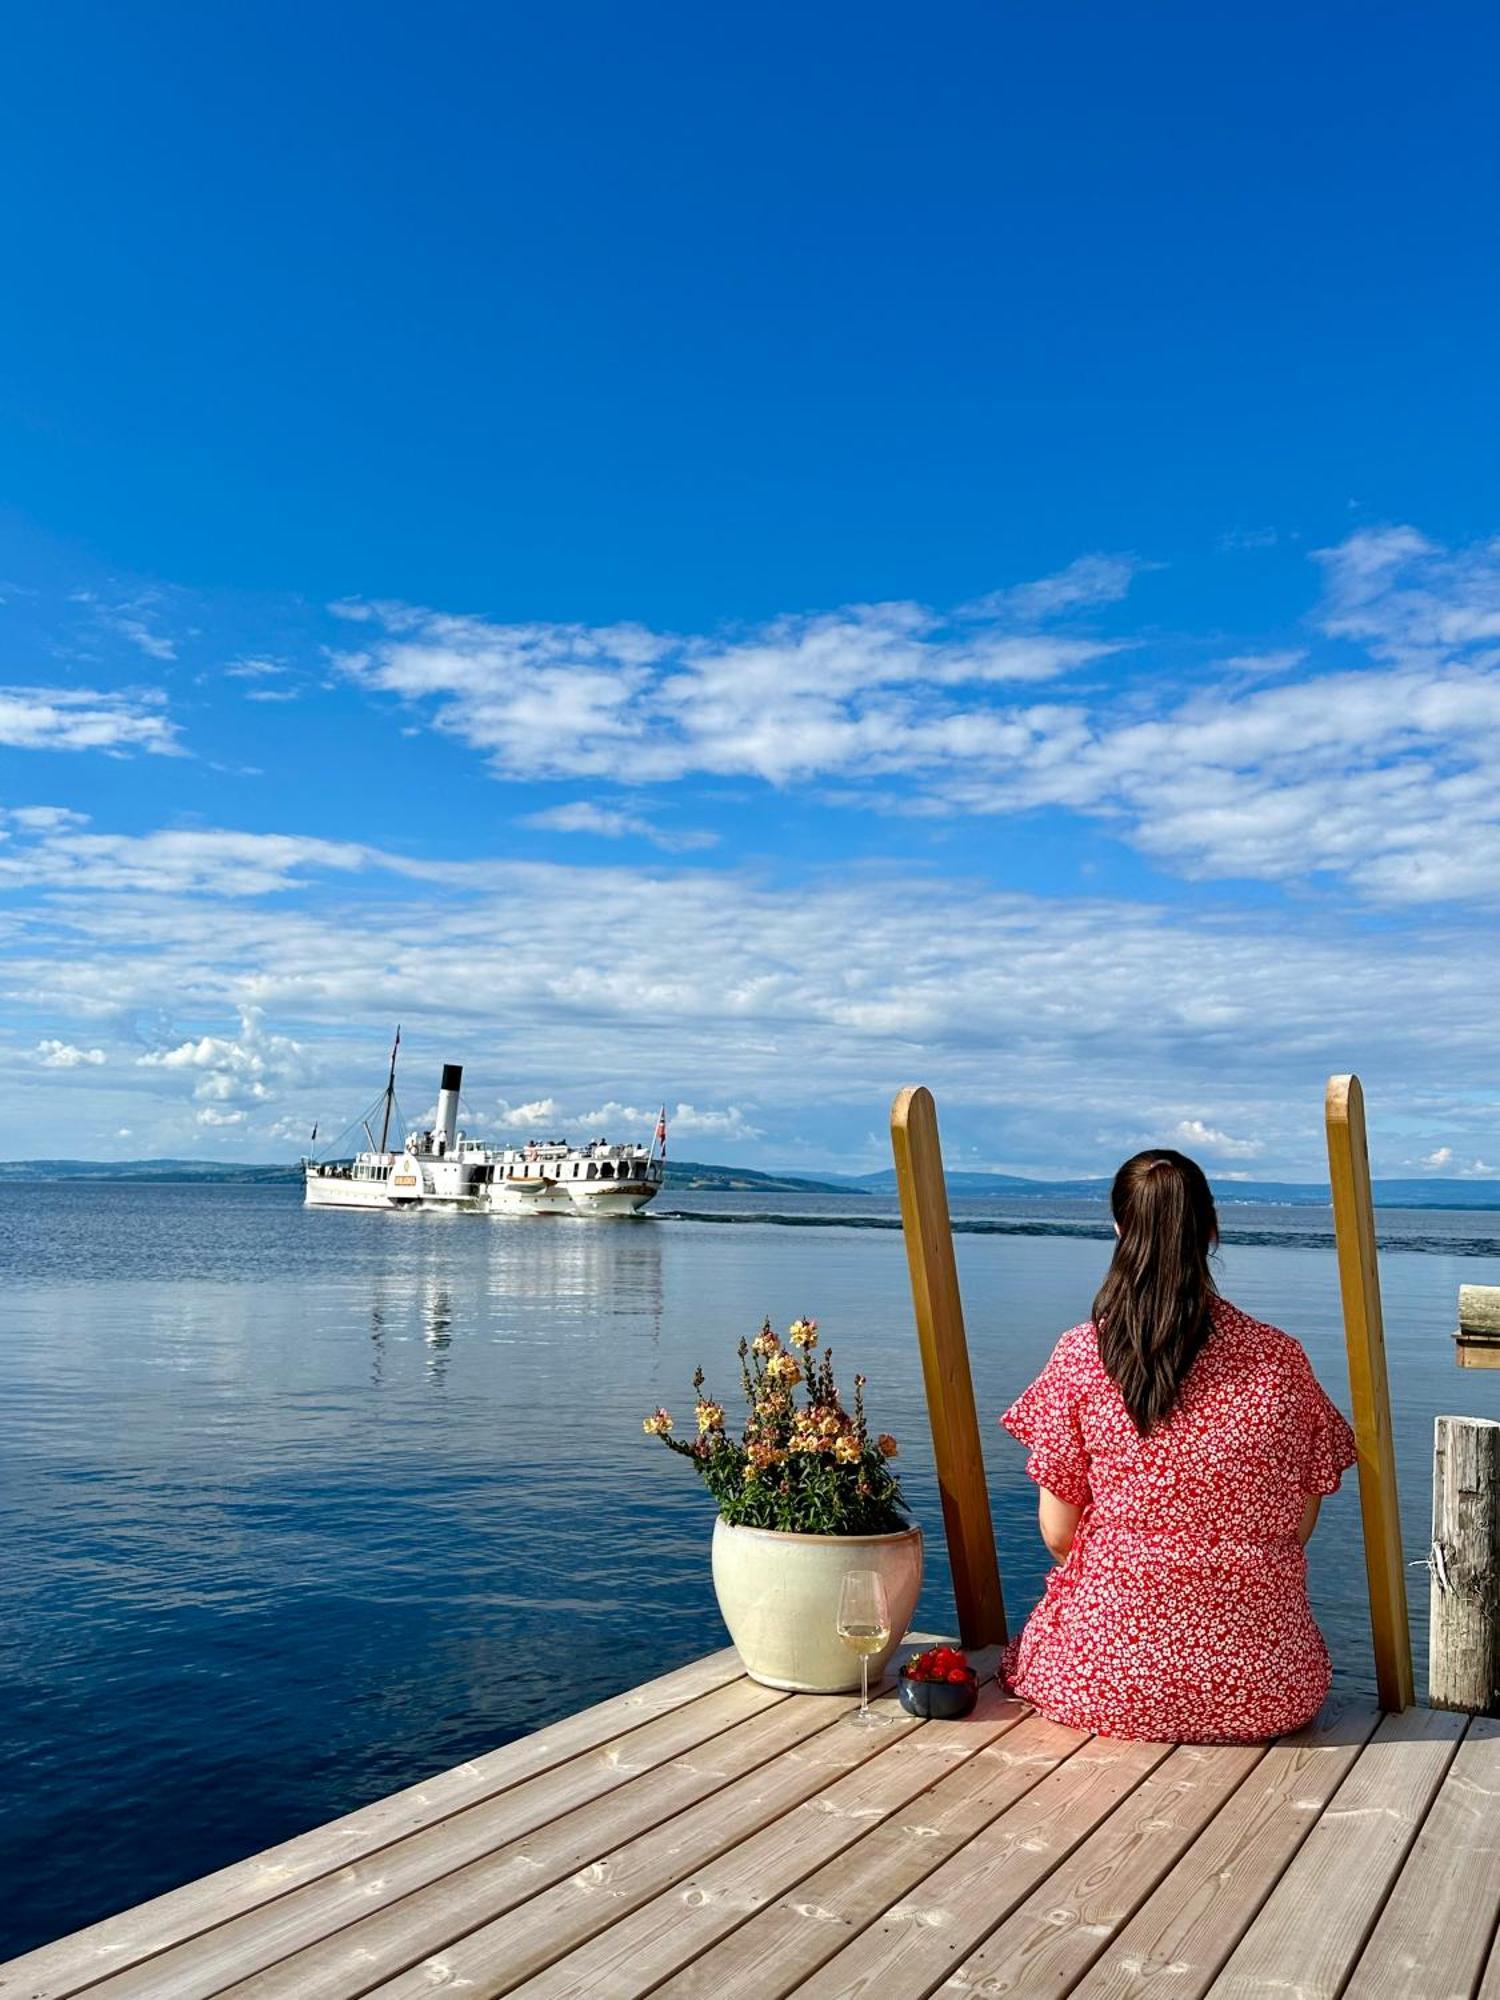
x: 661, y: 1131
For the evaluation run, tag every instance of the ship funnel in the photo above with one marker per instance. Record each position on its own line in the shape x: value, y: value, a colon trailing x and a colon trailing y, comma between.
x: 446, y: 1127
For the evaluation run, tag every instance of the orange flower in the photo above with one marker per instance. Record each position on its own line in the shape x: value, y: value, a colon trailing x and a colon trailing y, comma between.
x: 888, y: 1445
x: 657, y: 1424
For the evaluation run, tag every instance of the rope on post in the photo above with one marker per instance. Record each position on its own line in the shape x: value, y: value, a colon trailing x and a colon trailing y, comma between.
x: 1364, y: 1338
x: 945, y: 1369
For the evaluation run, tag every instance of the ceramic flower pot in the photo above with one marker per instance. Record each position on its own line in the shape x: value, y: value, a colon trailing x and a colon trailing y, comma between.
x: 779, y: 1595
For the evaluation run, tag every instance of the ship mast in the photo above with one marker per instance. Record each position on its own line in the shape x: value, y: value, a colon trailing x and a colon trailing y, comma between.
x: 390, y: 1092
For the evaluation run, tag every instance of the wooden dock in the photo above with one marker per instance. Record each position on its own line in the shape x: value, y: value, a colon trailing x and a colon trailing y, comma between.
x: 706, y: 1836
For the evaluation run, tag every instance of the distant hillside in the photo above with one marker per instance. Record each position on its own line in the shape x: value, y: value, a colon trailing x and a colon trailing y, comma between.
x: 681, y: 1174
x: 1009, y: 1185
x: 143, y: 1170
x: 684, y: 1175
x: 1427, y: 1193
x: 693, y: 1174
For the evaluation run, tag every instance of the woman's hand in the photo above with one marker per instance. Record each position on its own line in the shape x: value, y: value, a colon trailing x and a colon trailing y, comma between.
x: 1059, y: 1520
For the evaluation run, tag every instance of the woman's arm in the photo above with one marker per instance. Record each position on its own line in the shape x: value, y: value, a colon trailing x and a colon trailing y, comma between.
x: 1309, y: 1519
x: 1059, y: 1519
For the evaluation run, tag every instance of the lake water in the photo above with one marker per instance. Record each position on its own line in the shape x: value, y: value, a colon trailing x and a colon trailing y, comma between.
x: 298, y: 1508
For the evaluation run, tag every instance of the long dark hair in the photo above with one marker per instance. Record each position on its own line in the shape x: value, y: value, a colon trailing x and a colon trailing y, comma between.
x: 1152, y: 1312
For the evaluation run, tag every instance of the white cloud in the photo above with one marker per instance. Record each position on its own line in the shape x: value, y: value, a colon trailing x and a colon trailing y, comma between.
x: 612, y: 1116
x: 293, y: 1128
x: 192, y: 860
x: 1281, y: 767
x: 1193, y: 1132
x: 53, y: 718
x: 1442, y: 1157
x: 631, y: 821
x: 231, y: 1074
x: 1088, y: 581
x: 776, y: 1010
x: 1379, y: 773
x: 43, y: 819
x: 132, y: 623
x: 63, y: 1055
x: 730, y: 1123
x: 868, y: 689
x: 541, y: 1111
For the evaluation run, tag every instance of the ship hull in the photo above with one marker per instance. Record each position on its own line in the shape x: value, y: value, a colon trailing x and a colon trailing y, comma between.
x: 367, y: 1196
x: 336, y: 1192
x: 562, y: 1199
x: 332, y: 1193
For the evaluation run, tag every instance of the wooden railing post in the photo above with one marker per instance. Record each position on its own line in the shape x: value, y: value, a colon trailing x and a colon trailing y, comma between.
x: 1364, y: 1337
x: 945, y: 1369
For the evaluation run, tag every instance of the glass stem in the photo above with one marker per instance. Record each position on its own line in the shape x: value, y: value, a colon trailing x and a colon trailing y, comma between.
x: 864, y: 1685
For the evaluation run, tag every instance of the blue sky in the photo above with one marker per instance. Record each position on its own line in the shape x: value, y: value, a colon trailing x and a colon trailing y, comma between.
x: 749, y: 559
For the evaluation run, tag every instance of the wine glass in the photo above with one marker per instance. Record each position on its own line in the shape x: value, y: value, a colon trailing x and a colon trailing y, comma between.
x: 865, y: 1628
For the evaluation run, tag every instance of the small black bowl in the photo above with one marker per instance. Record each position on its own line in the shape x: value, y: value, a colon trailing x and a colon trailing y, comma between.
x: 938, y: 1701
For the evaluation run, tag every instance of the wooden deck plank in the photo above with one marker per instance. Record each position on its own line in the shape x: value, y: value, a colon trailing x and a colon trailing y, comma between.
x: 846, y: 1764
x: 718, y: 1895
x: 1436, y: 1930
x: 1005, y: 1826
x: 1489, y: 1986
x: 402, y: 1931
x: 698, y: 1734
x: 498, y: 1957
x: 1317, y: 1919
x: 54, y: 1971
x: 913, y: 1945
x: 1045, y: 1946
x: 1177, y: 1943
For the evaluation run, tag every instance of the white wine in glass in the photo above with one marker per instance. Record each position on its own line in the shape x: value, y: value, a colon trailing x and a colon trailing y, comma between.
x: 865, y: 1628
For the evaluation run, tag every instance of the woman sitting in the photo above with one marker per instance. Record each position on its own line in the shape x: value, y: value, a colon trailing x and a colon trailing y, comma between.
x: 1182, y: 1449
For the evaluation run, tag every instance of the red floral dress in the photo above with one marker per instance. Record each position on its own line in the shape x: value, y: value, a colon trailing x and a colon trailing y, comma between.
x: 1181, y: 1612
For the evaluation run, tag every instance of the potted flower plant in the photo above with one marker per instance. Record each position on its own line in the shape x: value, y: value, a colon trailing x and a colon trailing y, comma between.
x: 805, y: 1496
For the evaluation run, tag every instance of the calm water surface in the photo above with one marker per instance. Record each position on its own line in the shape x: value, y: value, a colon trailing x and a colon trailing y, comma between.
x: 298, y: 1508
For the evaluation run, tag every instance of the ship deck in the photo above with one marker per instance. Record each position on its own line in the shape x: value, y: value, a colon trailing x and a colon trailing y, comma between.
x: 704, y: 1835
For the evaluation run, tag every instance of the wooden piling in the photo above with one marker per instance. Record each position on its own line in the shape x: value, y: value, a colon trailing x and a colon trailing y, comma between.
x: 1463, y: 1669
x: 945, y: 1369
x: 1478, y: 1336
x: 1364, y: 1337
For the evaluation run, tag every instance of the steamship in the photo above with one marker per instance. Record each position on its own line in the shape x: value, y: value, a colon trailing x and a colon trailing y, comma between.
x: 443, y: 1169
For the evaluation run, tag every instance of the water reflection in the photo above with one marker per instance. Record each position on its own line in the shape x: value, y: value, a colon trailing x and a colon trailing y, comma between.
x: 457, y: 1283
x: 377, y: 1341
x: 437, y: 1325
